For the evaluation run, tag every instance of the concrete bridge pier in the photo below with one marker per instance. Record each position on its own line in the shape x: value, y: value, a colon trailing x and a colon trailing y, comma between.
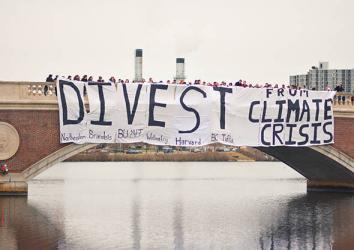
x: 13, y: 184
x: 14, y: 188
x: 329, y: 186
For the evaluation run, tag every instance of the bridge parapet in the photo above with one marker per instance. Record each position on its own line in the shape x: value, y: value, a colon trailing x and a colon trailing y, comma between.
x: 12, y: 91
x: 27, y: 96
x: 34, y: 92
x: 41, y: 89
x: 343, y: 99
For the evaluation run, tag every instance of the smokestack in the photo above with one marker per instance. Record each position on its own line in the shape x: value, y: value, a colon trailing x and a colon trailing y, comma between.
x: 138, y: 65
x: 180, y: 69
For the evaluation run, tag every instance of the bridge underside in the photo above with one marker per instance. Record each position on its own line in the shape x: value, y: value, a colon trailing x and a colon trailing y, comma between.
x: 331, y: 172
x: 326, y: 168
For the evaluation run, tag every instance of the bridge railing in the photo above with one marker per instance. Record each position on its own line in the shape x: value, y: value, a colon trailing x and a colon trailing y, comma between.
x: 41, y: 89
x: 45, y: 92
x: 23, y: 92
x: 344, y: 99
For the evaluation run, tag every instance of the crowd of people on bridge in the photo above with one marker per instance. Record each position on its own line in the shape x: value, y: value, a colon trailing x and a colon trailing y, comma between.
x: 239, y: 83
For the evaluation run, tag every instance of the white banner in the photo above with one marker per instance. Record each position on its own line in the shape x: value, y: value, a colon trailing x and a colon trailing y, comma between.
x: 193, y: 115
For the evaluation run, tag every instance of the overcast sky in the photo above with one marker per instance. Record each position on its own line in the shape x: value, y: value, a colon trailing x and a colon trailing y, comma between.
x: 256, y: 40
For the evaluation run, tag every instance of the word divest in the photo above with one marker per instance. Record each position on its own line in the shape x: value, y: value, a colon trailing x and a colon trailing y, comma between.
x: 193, y: 115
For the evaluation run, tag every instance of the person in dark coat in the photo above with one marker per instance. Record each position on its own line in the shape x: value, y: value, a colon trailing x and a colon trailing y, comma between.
x: 84, y: 78
x: 339, y: 88
x: 100, y: 79
x: 49, y: 78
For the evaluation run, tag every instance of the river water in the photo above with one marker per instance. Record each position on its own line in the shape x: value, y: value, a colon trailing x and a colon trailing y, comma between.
x: 129, y: 205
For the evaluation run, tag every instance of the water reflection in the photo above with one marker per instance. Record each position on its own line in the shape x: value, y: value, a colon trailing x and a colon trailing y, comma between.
x: 312, y: 221
x: 136, y: 228
x: 183, y: 212
x: 23, y: 226
x: 178, y: 222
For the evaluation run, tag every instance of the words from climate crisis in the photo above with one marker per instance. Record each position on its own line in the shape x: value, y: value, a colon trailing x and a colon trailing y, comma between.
x: 299, y: 111
x: 192, y: 115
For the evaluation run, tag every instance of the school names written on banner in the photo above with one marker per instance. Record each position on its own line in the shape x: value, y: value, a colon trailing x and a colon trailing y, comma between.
x: 193, y: 115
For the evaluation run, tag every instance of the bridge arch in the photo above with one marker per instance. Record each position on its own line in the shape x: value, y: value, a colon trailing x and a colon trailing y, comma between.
x: 325, y: 167
x: 54, y: 158
x: 326, y: 162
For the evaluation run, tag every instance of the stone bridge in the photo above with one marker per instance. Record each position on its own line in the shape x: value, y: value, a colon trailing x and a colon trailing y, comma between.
x: 30, y: 148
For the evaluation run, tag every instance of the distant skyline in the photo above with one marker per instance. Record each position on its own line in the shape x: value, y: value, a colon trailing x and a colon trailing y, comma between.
x: 258, y: 41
